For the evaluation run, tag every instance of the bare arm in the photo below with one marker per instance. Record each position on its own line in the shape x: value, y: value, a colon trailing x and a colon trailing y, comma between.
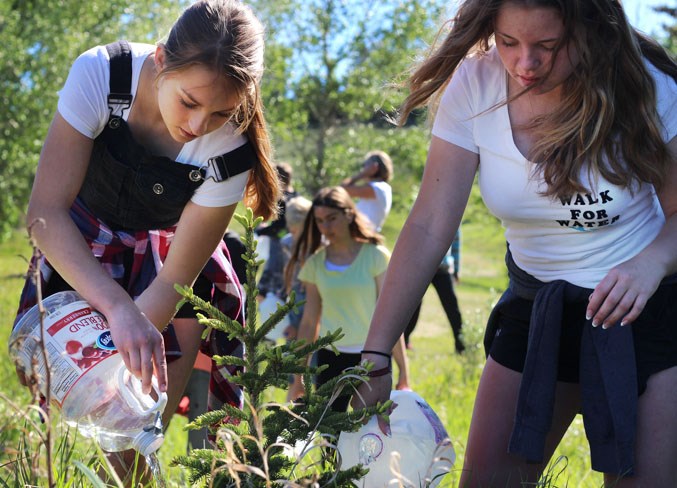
x: 624, y: 291
x: 364, y: 190
x: 399, y: 352
x: 198, y: 233
x: 424, y: 239
x: 356, y: 187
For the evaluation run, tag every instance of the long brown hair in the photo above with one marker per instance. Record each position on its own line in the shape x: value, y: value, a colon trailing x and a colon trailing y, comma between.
x: 226, y: 36
x: 606, y: 123
x: 310, y: 239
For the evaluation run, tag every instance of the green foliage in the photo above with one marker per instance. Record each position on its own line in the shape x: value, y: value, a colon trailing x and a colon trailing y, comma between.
x: 334, y: 63
x: 669, y: 27
x: 406, y: 146
x: 251, y: 451
x: 40, y: 39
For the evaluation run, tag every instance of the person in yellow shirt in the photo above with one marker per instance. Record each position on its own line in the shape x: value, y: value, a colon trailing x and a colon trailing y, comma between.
x: 342, y: 276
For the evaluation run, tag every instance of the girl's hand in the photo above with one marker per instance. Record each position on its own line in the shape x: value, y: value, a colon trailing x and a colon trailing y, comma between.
x: 403, y: 385
x: 624, y: 291
x: 140, y: 345
x: 370, y: 393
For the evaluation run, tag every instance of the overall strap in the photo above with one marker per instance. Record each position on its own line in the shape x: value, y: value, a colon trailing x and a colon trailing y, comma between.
x: 120, y: 93
x: 233, y: 163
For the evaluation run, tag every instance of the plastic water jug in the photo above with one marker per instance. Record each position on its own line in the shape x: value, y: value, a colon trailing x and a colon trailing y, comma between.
x: 417, y: 454
x: 89, y: 382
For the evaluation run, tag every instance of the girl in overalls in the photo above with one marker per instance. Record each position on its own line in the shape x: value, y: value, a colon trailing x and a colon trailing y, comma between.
x: 150, y: 151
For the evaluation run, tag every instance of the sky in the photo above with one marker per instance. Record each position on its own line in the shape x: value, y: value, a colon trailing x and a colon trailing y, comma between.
x: 643, y: 17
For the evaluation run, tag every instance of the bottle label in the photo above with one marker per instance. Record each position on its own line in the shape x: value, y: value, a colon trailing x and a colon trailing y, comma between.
x: 77, y: 338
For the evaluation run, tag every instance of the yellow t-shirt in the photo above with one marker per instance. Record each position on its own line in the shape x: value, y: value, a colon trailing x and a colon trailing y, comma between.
x: 349, y: 296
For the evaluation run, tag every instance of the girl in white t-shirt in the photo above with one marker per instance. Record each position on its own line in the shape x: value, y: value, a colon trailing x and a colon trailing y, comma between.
x: 134, y: 191
x: 570, y: 117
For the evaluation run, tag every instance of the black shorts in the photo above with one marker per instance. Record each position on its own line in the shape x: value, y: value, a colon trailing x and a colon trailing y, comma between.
x: 654, y: 333
x: 336, y: 366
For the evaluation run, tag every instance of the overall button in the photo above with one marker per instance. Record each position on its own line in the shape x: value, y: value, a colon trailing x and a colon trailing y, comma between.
x: 158, y: 189
x: 195, y: 175
x: 114, y: 123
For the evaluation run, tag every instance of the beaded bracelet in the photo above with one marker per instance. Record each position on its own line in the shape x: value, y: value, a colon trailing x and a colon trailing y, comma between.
x: 379, y: 372
x: 378, y: 353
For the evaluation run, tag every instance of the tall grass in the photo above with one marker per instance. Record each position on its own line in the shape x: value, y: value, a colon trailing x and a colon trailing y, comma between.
x: 446, y: 380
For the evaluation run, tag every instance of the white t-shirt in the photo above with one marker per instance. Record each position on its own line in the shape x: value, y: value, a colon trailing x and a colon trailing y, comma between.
x: 83, y: 104
x: 578, y: 239
x: 377, y: 209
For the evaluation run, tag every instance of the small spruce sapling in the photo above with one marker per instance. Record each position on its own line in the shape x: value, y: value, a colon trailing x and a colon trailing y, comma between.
x: 254, y: 446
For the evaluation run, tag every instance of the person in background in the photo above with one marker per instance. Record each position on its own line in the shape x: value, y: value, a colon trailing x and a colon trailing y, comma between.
x: 272, y: 279
x: 184, y: 119
x: 371, y: 188
x: 297, y: 211
x: 342, y: 279
x: 268, y: 234
x: 443, y: 280
x: 569, y: 115
x: 277, y: 228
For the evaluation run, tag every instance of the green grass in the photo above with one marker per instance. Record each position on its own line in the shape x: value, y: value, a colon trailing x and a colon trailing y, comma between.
x: 446, y: 380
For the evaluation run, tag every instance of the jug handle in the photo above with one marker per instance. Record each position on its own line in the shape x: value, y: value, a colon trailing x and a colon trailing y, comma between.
x: 133, y: 400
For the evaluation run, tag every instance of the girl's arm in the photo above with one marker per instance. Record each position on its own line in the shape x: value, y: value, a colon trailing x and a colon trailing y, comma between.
x: 60, y: 174
x: 361, y: 190
x: 624, y: 291
x: 198, y: 233
x: 309, y: 330
x: 399, y: 352
x: 425, y: 237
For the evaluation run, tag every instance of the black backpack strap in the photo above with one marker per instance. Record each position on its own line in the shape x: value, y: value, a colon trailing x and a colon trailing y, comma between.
x: 233, y: 163
x: 120, y: 96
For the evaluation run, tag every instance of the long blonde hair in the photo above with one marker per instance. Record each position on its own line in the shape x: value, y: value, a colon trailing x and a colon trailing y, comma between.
x: 226, y: 36
x: 607, y: 121
x: 310, y: 239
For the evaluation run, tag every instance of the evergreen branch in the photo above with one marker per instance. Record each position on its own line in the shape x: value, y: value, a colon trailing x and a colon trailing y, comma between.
x: 231, y: 327
x: 215, y: 417
x: 229, y: 361
x: 199, y: 304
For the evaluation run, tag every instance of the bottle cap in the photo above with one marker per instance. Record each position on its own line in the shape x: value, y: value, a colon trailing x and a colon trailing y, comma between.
x: 147, y: 442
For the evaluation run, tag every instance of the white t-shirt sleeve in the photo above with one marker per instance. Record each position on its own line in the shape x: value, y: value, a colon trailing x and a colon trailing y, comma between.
x: 82, y: 100
x: 223, y: 193
x: 454, y: 117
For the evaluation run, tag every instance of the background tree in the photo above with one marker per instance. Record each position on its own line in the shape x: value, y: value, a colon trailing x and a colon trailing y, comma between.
x: 40, y: 39
x: 330, y: 64
x: 669, y: 27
